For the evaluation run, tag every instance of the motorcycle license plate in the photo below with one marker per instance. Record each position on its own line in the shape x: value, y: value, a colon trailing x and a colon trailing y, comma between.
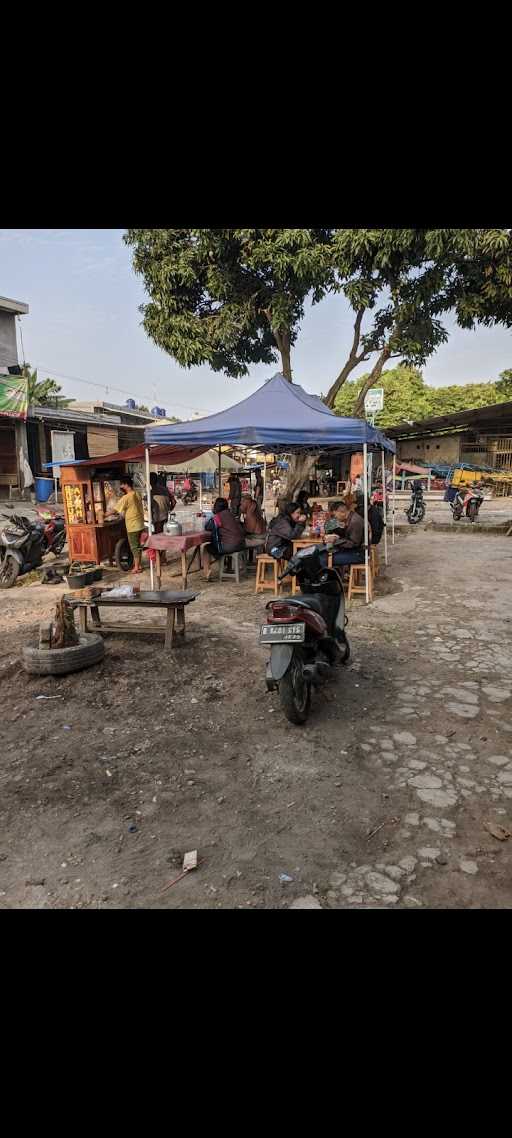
x: 282, y: 633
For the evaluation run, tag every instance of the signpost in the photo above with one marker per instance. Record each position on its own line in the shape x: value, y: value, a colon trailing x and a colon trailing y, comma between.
x: 373, y: 402
x: 63, y: 448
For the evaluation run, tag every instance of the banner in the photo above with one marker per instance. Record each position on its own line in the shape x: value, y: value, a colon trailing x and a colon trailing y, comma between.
x: 14, y: 396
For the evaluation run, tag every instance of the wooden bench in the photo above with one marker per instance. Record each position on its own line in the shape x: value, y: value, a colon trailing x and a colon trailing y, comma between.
x: 173, y: 602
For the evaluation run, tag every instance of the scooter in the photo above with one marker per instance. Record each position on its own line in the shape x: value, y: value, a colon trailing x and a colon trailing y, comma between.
x: 21, y: 548
x: 470, y: 500
x: 54, y: 538
x: 416, y: 511
x: 306, y: 634
x: 190, y: 496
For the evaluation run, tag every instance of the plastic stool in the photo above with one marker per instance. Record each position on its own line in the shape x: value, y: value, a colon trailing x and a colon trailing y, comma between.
x: 234, y: 573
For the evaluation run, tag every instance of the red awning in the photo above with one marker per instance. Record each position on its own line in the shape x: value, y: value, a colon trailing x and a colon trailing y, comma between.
x: 424, y: 470
x: 157, y: 454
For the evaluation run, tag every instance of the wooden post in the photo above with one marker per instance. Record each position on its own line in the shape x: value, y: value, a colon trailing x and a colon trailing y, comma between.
x: 169, y: 630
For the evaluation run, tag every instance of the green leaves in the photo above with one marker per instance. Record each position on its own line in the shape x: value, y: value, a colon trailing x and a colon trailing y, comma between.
x: 407, y: 396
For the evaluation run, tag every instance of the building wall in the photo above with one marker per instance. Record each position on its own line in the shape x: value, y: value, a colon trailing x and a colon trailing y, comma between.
x: 431, y: 448
x: 8, y: 346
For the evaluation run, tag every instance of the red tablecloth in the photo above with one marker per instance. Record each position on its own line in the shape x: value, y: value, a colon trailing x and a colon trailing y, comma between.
x: 179, y: 543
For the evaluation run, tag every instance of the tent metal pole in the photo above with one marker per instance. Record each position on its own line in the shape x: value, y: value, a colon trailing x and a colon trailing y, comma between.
x: 264, y: 483
x: 220, y: 472
x: 394, y: 502
x: 150, y: 524
x: 384, y: 508
x: 365, y: 491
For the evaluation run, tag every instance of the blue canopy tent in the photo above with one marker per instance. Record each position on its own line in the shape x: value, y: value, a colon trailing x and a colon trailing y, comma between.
x: 280, y: 416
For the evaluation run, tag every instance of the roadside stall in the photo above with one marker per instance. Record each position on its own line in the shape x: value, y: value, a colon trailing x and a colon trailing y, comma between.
x: 90, y: 489
x: 282, y: 417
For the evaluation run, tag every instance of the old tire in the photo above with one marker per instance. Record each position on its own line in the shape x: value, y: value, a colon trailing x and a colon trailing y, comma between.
x: 295, y: 692
x: 9, y: 571
x: 123, y: 555
x: 60, y: 661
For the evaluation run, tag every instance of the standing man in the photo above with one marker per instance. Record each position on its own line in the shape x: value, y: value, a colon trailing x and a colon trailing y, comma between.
x: 130, y: 506
x: 235, y: 494
x: 259, y: 489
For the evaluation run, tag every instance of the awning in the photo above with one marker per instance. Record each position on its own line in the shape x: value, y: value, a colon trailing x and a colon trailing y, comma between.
x: 157, y: 454
x: 278, y: 416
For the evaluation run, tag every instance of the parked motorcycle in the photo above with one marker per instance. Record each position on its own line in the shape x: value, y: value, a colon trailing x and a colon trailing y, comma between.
x: 306, y: 634
x: 21, y: 548
x: 54, y: 537
x: 190, y: 496
x: 469, y: 500
x: 416, y: 511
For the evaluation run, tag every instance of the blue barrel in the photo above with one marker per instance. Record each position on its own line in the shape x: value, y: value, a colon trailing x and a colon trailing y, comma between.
x: 44, y: 487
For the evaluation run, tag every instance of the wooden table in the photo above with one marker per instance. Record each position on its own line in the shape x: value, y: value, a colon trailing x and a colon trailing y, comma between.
x: 302, y: 543
x: 173, y: 601
x: 167, y: 543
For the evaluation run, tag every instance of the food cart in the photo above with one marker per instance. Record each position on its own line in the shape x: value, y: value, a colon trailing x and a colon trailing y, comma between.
x: 88, y: 494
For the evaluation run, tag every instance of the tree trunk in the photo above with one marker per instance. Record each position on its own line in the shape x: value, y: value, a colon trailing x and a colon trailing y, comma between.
x: 300, y: 469
x: 282, y: 339
x: 358, y: 411
x: 354, y: 359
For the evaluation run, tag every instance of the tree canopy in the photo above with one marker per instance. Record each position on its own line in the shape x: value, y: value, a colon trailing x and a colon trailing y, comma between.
x: 407, y: 396
x: 235, y: 297
x: 229, y: 297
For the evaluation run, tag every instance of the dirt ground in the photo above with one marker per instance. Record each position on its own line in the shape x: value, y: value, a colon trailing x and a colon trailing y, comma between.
x: 382, y: 800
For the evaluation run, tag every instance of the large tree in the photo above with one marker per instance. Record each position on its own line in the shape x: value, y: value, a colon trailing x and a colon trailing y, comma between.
x: 229, y: 297
x: 235, y: 297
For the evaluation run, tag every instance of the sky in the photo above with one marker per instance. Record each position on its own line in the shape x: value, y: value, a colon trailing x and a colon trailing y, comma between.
x: 84, y: 329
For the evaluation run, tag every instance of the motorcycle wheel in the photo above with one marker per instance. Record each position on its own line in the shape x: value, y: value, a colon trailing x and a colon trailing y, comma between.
x: 123, y: 555
x: 295, y: 692
x: 344, y: 656
x: 457, y: 515
x: 9, y: 571
x: 59, y: 544
x: 472, y: 512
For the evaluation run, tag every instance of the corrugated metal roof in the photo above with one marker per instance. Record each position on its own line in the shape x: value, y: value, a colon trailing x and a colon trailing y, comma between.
x: 493, y: 417
x: 64, y: 414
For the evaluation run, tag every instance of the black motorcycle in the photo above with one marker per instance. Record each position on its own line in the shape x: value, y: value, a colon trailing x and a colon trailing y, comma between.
x: 306, y: 634
x: 416, y: 511
x: 21, y: 548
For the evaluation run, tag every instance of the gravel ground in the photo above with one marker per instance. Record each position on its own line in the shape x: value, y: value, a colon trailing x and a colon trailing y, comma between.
x: 386, y: 798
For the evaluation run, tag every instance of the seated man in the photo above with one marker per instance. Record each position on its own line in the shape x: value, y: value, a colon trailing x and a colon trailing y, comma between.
x: 346, y: 536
